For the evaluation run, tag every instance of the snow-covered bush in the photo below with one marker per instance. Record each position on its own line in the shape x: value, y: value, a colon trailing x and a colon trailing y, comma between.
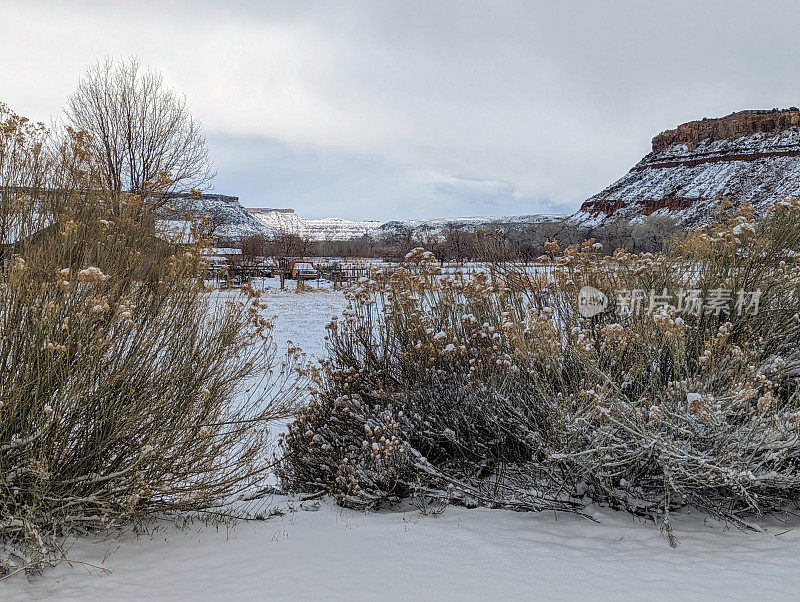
x: 496, y: 390
x: 122, y: 379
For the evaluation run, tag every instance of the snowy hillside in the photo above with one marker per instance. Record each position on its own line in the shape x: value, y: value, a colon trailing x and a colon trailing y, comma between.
x: 686, y: 180
x: 222, y: 216
x: 328, y: 229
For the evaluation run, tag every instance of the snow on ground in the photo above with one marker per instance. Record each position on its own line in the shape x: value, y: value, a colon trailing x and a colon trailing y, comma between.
x: 301, y: 317
x: 328, y: 553
x: 316, y: 550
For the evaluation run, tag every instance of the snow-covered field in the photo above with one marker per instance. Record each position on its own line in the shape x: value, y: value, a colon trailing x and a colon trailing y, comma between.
x: 301, y: 317
x: 324, y: 552
x: 315, y: 550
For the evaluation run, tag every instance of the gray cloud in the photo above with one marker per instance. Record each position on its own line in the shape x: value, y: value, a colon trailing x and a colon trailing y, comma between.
x: 396, y: 109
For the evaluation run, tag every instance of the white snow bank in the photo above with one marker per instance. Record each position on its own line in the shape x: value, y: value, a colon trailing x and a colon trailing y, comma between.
x: 461, y: 554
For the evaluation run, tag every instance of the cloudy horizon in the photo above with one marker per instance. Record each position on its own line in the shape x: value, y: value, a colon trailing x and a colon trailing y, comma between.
x: 375, y: 110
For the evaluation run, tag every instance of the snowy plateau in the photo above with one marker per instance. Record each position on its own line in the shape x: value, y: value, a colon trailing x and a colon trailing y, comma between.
x: 334, y: 228
x: 329, y: 229
x: 750, y: 156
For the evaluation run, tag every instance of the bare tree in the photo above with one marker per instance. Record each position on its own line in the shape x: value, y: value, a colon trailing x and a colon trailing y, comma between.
x: 459, y: 242
x: 652, y: 233
x: 254, y: 248
x: 285, y: 246
x: 143, y: 135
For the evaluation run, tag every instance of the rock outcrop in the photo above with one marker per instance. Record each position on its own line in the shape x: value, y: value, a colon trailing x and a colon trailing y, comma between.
x: 735, y: 125
x: 749, y: 156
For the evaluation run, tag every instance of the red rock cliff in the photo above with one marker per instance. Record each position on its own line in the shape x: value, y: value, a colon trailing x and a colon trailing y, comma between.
x: 749, y: 156
x: 735, y: 125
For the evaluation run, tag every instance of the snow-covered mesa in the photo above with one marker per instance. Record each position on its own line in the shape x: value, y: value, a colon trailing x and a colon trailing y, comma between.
x: 435, y: 227
x: 331, y: 228
x: 218, y: 215
x: 693, y: 181
x: 334, y: 228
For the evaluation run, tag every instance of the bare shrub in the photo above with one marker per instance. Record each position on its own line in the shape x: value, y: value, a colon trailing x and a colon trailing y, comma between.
x: 495, y: 390
x: 124, y: 382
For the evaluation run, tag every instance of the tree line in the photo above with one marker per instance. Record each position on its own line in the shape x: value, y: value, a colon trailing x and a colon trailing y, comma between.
x: 460, y: 243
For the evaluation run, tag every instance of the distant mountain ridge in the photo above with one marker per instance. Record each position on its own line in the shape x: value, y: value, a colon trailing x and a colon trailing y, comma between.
x: 334, y: 228
x: 328, y: 229
x: 226, y: 219
x: 434, y: 227
x: 748, y: 156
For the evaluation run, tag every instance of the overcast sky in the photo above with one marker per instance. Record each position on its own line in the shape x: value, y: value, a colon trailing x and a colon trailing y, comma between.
x: 408, y: 109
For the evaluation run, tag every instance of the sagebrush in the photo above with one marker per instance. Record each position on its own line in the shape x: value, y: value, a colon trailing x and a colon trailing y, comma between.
x: 126, y: 388
x: 495, y: 390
